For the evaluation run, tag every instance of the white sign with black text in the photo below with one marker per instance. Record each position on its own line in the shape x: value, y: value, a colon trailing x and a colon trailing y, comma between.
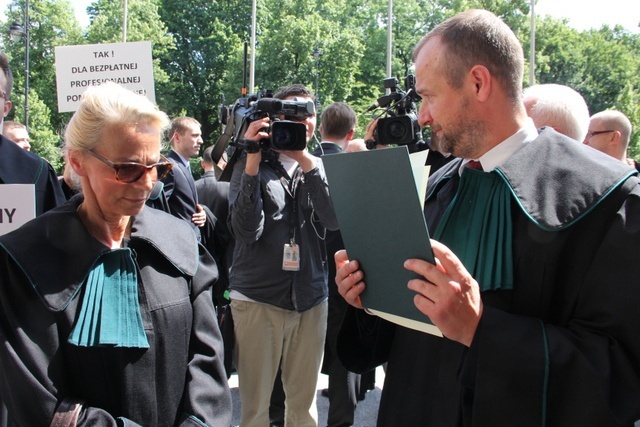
x: 79, y: 67
x: 17, y: 205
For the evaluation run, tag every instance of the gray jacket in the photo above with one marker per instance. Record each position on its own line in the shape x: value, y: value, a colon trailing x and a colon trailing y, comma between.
x: 263, y: 215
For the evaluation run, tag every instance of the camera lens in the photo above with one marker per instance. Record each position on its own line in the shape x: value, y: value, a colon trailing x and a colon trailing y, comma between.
x: 291, y: 136
x: 281, y: 136
x: 397, y: 130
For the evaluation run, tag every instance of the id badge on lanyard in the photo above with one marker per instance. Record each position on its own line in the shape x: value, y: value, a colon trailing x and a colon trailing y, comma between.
x: 291, y: 257
x: 291, y: 252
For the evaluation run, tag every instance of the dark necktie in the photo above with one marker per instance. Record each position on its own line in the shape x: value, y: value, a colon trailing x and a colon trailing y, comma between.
x: 474, y: 164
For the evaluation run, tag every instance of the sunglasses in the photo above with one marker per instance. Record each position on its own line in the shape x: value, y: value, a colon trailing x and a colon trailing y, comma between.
x: 597, y: 132
x: 129, y: 172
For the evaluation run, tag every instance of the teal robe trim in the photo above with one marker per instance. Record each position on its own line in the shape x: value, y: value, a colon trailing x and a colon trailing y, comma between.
x: 110, y: 311
x: 481, y: 212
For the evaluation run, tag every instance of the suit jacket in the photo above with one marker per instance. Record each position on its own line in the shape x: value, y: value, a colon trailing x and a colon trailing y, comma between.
x: 214, y: 196
x: 333, y: 240
x: 19, y: 166
x: 180, y: 190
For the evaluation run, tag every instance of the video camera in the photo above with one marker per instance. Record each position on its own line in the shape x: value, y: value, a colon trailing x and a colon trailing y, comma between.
x: 287, y: 134
x: 398, y: 123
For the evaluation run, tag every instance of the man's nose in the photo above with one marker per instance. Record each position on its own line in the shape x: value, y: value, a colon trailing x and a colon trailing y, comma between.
x: 424, y: 115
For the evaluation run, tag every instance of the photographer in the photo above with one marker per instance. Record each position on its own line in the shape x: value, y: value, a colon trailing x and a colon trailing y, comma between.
x: 279, y: 210
x: 436, y: 158
x: 370, y: 139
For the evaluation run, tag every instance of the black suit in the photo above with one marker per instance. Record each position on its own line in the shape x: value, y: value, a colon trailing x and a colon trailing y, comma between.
x: 216, y: 237
x: 214, y: 194
x: 180, y: 190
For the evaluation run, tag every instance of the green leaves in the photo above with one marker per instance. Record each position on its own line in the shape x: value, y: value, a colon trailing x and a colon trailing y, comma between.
x: 198, y: 48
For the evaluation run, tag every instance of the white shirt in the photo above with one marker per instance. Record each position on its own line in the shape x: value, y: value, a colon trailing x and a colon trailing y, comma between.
x: 507, y: 148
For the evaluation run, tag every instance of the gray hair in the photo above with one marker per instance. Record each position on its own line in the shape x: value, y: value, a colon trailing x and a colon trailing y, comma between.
x: 558, y: 105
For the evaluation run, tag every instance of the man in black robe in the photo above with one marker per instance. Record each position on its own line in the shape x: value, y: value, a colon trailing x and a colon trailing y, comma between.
x: 19, y: 166
x: 536, y: 290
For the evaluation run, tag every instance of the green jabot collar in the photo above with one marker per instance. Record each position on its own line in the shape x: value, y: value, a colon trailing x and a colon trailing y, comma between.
x: 477, y: 227
x: 61, y: 243
x: 110, y: 310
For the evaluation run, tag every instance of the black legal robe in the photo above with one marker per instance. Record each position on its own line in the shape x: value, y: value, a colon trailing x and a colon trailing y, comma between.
x: 180, y: 376
x: 560, y: 349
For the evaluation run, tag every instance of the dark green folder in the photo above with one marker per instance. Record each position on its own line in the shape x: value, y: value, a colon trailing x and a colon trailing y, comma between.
x: 382, y: 224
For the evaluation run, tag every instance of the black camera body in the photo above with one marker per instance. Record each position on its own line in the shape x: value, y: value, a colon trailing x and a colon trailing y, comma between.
x: 398, y: 124
x: 287, y: 134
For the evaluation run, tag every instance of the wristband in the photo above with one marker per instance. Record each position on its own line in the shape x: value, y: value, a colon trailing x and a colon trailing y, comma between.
x: 370, y: 144
x: 251, y: 146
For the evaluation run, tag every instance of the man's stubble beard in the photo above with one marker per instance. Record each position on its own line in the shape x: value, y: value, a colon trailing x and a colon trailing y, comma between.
x: 463, y: 138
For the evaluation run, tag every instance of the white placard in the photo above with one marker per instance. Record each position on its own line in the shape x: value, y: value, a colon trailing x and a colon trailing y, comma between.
x: 17, y: 205
x: 79, y: 67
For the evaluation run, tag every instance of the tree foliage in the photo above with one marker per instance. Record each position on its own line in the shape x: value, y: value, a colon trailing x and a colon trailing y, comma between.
x: 208, y: 36
x: 45, y: 142
x: 51, y: 23
x: 602, y: 65
x: 143, y: 23
x: 199, y: 52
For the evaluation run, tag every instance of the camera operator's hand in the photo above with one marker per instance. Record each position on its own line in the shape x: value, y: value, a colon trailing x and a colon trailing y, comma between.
x: 369, y: 131
x: 370, y: 139
x: 255, y: 132
x: 257, y: 129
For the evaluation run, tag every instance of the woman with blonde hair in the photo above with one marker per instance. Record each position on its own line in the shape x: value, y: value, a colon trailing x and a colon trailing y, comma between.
x: 107, y: 315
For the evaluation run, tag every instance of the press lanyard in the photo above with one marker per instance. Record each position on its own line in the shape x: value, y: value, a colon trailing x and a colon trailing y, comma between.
x: 291, y: 253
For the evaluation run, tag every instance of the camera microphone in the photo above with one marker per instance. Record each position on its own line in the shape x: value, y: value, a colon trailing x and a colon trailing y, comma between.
x: 372, y: 107
x: 384, y: 101
x: 269, y: 105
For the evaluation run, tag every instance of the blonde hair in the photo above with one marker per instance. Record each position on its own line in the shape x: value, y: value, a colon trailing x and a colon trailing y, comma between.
x: 182, y: 124
x: 107, y: 105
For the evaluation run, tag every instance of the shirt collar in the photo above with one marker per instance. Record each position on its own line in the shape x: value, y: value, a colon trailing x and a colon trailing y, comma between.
x: 288, y: 163
x: 332, y: 143
x: 507, y: 148
x: 184, y: 161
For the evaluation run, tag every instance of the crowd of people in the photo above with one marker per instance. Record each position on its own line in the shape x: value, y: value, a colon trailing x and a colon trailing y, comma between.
x: 110, y: 299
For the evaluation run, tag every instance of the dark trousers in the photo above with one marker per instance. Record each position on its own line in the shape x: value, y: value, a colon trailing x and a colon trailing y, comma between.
x: 344, y: 386
x: 276, y: 407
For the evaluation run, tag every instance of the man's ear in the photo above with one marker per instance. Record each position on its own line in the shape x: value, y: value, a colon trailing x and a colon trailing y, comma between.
x: 175, y: 138
x: 350, y: 134
x: 615, y: 138
x: 480, y: 77
x: 7, y: 108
